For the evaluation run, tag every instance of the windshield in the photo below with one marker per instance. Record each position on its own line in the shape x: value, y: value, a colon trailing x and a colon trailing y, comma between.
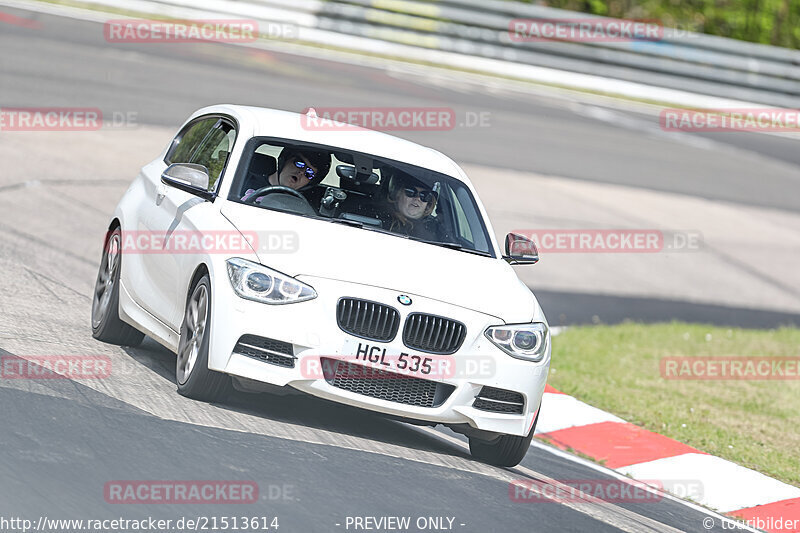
x: 360, y: 190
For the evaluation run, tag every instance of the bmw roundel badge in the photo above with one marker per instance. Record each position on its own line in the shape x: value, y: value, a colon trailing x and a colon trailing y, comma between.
x: 403, y: 299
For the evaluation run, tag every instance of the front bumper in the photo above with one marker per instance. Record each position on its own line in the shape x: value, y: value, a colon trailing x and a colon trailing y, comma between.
x: 311, y: 328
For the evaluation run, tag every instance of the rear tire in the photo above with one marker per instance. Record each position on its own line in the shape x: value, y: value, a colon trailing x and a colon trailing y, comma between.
x: 107, y: 326
x: 192, y: 374
x: 506, y: 450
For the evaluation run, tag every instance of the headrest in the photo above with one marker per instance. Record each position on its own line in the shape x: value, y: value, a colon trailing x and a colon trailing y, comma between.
x: 262, y: 166
x: 402, y: 179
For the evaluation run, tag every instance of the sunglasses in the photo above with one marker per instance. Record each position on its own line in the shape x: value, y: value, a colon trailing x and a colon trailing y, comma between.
x: 424, y: 196
x: 310, y: 174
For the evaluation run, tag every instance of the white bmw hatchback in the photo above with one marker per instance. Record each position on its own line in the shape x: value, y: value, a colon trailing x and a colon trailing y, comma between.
x: 268, y: 248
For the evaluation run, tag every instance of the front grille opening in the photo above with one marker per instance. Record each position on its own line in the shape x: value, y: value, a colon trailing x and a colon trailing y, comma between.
x: 367, y: 320
x: 499, y: 401
x: 268, y: 350
x: 384, y: 385
x: 433, y: 334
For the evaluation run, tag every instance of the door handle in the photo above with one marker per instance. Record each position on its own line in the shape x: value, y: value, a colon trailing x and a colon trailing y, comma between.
x: 161, y: 192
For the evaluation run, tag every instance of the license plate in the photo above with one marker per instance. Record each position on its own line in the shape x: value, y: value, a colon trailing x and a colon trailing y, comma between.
x: 390, y: 360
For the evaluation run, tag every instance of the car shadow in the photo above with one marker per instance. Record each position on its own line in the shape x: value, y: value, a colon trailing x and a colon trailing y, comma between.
x: 295, y: 407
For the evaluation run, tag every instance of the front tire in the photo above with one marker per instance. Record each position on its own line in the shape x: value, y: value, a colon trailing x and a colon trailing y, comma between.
x: 107, y: 326
x: 506, y: 450
x: 192, y: 374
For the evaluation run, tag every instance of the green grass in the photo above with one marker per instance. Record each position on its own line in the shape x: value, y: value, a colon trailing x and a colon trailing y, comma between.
x: 752, y: 423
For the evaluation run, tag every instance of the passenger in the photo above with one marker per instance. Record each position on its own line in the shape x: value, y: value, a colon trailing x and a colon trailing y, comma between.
x: 411, y: 203
x: 298, y: 169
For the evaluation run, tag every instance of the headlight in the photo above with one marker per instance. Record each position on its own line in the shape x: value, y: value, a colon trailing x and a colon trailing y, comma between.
x: 261, y: 284
x: 523, y: 341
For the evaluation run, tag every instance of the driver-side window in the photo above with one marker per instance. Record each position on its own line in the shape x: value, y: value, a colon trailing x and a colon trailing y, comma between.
x: 186, y: 142
x: 206, y: 141
x: 214, y: 152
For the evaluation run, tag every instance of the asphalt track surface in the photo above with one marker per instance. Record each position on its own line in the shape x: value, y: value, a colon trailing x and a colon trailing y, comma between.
x: 68, y: 63
x: 63, y: 443
x: 315, y: 462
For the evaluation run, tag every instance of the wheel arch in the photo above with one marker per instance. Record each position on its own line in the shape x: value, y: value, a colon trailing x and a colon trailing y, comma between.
x: 201, y: 270
x: 113, y: 225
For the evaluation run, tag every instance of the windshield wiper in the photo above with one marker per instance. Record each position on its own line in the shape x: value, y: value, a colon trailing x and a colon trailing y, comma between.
x: 357, y: 224
x: 456, y: 246
x: 346, y: 222
x: 376, y: 229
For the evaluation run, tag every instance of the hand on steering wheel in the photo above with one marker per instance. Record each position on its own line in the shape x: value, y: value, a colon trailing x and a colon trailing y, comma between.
x: 273, y: 189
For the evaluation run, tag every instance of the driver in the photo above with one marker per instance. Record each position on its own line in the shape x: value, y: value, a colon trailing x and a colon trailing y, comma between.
x: 298, y: 169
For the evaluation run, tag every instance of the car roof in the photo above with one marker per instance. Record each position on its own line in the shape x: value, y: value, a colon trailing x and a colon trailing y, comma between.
x: 265, y: 122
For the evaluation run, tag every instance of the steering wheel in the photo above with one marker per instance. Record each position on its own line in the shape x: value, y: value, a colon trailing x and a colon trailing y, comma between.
x: 273, y: 189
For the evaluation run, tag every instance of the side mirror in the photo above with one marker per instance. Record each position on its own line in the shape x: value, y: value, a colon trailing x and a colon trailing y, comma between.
x: 520, y: 250
x: 188, y: 177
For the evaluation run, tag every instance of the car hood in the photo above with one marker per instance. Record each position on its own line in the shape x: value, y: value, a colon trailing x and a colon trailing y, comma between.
x: 300, y: 246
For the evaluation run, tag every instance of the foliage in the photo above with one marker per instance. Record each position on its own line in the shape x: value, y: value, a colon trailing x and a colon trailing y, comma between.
x: 774, y: 22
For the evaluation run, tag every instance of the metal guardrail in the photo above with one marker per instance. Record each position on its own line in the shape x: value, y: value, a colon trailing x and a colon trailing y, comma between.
x: 680, y: 60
